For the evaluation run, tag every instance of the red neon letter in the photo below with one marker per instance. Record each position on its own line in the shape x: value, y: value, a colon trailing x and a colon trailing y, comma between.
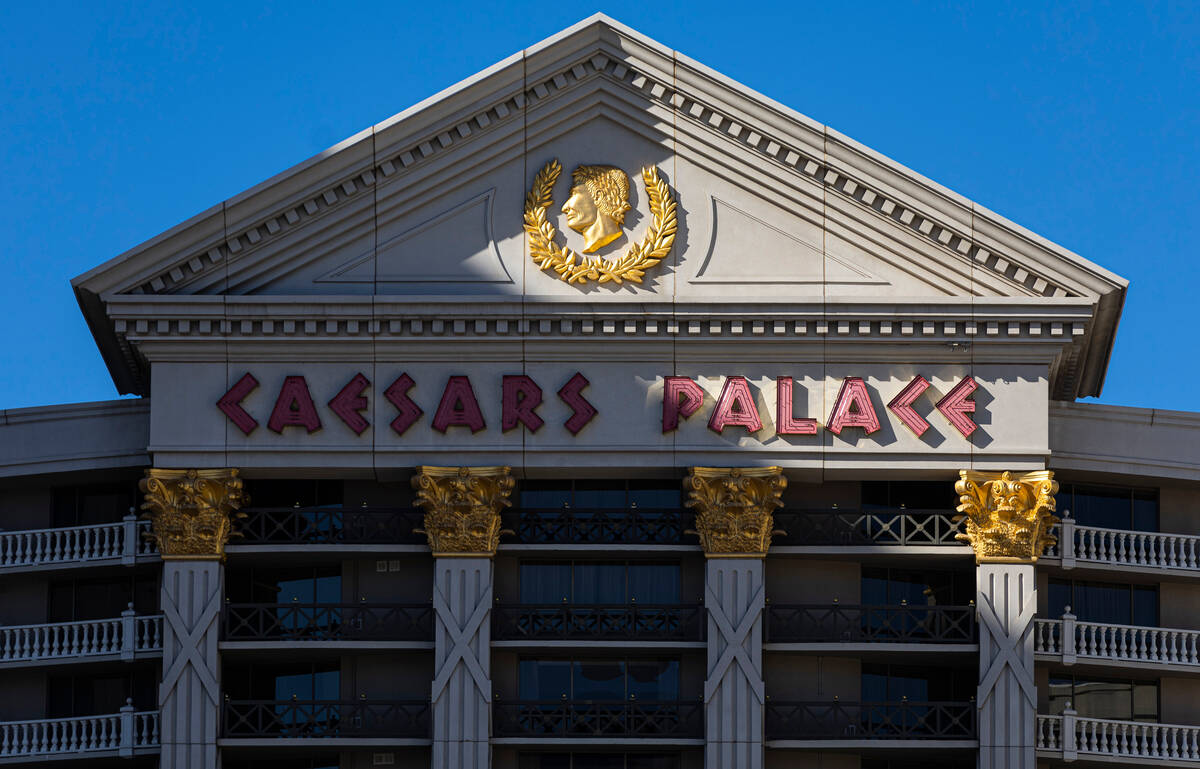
x: 735, y: 407
x: 458, y: 407
x: 231, y: 404
x: 519, y: 396
x: 349, y: 401
x: 294, y: 406
x: 397, y: 395
x: 785, y: 423
x: 853, y: 407
x: 571, y: 395
x: 957, y: 404
x: 901, y: 405
x: 681, y: 398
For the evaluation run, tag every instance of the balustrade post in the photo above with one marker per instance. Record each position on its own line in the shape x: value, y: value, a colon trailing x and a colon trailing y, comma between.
x: 1070, y: 745
x: 462, y: 522
x: 127, y: 730
x: 1066, y: 540
x: 128, y: 633
x: 1068, y: 637
x: 129, y: 542
x: 735, y: 521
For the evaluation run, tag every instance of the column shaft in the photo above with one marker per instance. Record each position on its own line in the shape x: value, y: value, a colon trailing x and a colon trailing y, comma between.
x: 462, y: 686
x: 1006, y: 700
x: 733, y: 691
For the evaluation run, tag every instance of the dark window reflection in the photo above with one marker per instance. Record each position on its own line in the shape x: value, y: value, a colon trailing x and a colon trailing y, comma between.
x: 308, y: 492
x: 93, y: 504
x: 1118, y: 699
x: 306, y: 585
x: 586, y: 495
x: 95, y: 694
x: 1112, y: 603
x: 301, y: 681
x: 599, y: 582
x: 883, y: 586
x: 1110, y: 507
x: 604, y: 680
x: 75, y: 600
x: 592, y: 760
x: 894, y: 683
x: 911, y: 495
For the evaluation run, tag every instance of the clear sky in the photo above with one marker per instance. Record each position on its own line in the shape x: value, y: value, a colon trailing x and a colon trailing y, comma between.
x: 121, y: 119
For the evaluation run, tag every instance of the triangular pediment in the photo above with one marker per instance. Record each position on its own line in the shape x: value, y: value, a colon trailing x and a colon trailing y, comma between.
x: 772, y: 206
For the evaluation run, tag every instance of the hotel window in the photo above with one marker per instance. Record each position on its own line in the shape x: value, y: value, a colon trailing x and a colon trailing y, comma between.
x: 324, y: 760
x: 306, y: 492
x: 71, y: 696
x: 599, y: 582
x: 1118, y: 699
x: 911, y: 495
x: 75, y: 600
x: 601, y: 680
x: 94, y: 504
x: 601, y: 494
x: 313, y: 584
x: 883, y: 586
x: 598, y: 761
x: 895, y: 683
x: 1115, y: 604
x: 1109, y: 507
x: 303, y: 682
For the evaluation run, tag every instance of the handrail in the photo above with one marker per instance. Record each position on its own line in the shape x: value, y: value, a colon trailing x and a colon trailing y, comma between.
x: 324, y: 719
x: 870, y: 720
x: 651, y: 622
x: 624, y: 525
x: 338, y: 525
x: 122, y: 732
x: 1125, y: 643
x: 1123, y: 547
x: 124, y: 635
x: 594, y: 718
x: 849, y: 623
x: 1073, y: 735
x: 72, y: 544
x: 838, y: 527
x: 327, y: 621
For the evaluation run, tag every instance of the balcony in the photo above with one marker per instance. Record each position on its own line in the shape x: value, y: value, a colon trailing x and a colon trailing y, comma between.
x: 866, y: 531
x: 125, y: 734
x: 120, y: 543
x: 329, y: 526
x: 1073, y: 738
x: 1068, y: 641
x: 645, y: 623
x: 820, y: 627
x: 352, y: 722
x: 549, y: 719
x: 345, y: 625
x: 127, y: 637
x: 838, y: 724
x: 624, y: 526
x: 1155, y: 553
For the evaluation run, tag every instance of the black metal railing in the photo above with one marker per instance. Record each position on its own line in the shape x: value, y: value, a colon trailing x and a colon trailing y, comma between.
x: 870, y: 720
x: 630, y: 526
x: 330, y: 526
x: 552, y: 718
x: 326, y: 719
x: 626, y: 622
x: 328, y: 622
x: 811, y: 623
x: 866, y: 527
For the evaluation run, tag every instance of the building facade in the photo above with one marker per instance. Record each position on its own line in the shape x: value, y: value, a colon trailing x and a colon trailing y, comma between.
x: 600, y: 413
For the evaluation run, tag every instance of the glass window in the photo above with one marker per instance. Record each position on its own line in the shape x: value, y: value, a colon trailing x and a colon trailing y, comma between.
x: 1110, y: 507
x: 910, y: 495
x: 1119, y: 699
x: 300, y: 681
x: 321, y: 584
x: 611, y: 679
x: 598, y: 680
x: 1113, y: 603
x: 87, y: 599
x: 308, y: 492
x: 593, y: 760
x: 599, y: 582
x: 93, y: 504
x: 97, y: 694
x: 587, y: 495
x: 653, y: 583
x: 882, y: 586
x: 894, y: 683
x: 545, y: 582
x: 544, y: 679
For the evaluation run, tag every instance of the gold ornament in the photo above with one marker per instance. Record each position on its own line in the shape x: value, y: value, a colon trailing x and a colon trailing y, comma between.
x: 734, y: 508
x: 597, y: 205
x: 192, y: 511
x: 1008, y: 515
x: 462, y: 507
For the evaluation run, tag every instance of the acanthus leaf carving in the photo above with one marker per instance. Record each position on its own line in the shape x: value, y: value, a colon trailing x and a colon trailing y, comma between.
x: 1008, y: 515
x: 192, y: 511
x: 735, y: 508
x: 462, y: 507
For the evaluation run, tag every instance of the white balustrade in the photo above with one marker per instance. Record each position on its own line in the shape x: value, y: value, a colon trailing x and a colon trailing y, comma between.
x: 122, y: 732
x: 125, y: 635
x: 1120, y: 643
x: 1121, y: 547
x: 108, y: 541
x: 1073, y: 736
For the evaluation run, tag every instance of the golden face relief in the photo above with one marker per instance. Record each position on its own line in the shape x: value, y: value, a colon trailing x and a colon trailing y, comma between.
x: 597, y: 205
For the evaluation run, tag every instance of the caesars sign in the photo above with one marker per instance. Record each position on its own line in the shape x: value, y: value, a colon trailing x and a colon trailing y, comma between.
x: 520, y: 396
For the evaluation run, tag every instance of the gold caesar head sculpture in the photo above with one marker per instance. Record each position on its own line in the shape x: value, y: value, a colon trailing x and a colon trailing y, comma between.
x: 597, y: 205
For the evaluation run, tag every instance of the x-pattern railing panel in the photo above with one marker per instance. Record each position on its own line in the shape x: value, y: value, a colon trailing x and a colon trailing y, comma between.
x: 567, y: 718
x: 325, y: 719
x: 651, y: 622
x: 331, y: 526
x: 328, y: 622
x: 651, y: 526
x: 866, y: 527
x: 870, y: 720
x: 817, y: 623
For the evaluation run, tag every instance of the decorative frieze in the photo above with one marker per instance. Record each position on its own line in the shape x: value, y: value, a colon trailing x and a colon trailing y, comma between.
x: 462, y: 507
x: 735, y: 508
x: 1008, y: 515
x: 192, y: 511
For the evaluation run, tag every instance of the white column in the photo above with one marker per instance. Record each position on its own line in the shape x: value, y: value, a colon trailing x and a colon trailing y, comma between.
x: 189, y: 695
x: 1006, y: 600
x: 462, y: 685
x: 733, y: 690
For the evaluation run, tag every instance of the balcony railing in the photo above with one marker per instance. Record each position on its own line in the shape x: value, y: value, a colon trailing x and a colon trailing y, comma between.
x: 125, y: 733
x: 630, y: 622
x: 866, y: 527
x: 121, y: 542
x: 830, y: 623
x: 326, y: 719
x: 1070, y: 639
x: 1124, y: 548
x: 870, y: 721
x: 328, y: 622
x: 1071, y: 736
x: 126, y: 636
x: 627, y: 526
x: 564, y: 718
x: 331, y: 526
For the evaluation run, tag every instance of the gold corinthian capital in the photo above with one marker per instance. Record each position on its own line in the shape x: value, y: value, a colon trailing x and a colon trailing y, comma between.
x: 462, y: 507
x: 1008, y: 515
x: 192, y: 511
x: 735, y: 508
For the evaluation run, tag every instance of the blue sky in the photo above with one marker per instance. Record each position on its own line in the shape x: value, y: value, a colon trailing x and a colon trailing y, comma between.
x: 121, y: 119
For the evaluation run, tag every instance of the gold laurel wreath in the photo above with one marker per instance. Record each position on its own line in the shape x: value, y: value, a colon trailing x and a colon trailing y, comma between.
x: 572, y: 267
